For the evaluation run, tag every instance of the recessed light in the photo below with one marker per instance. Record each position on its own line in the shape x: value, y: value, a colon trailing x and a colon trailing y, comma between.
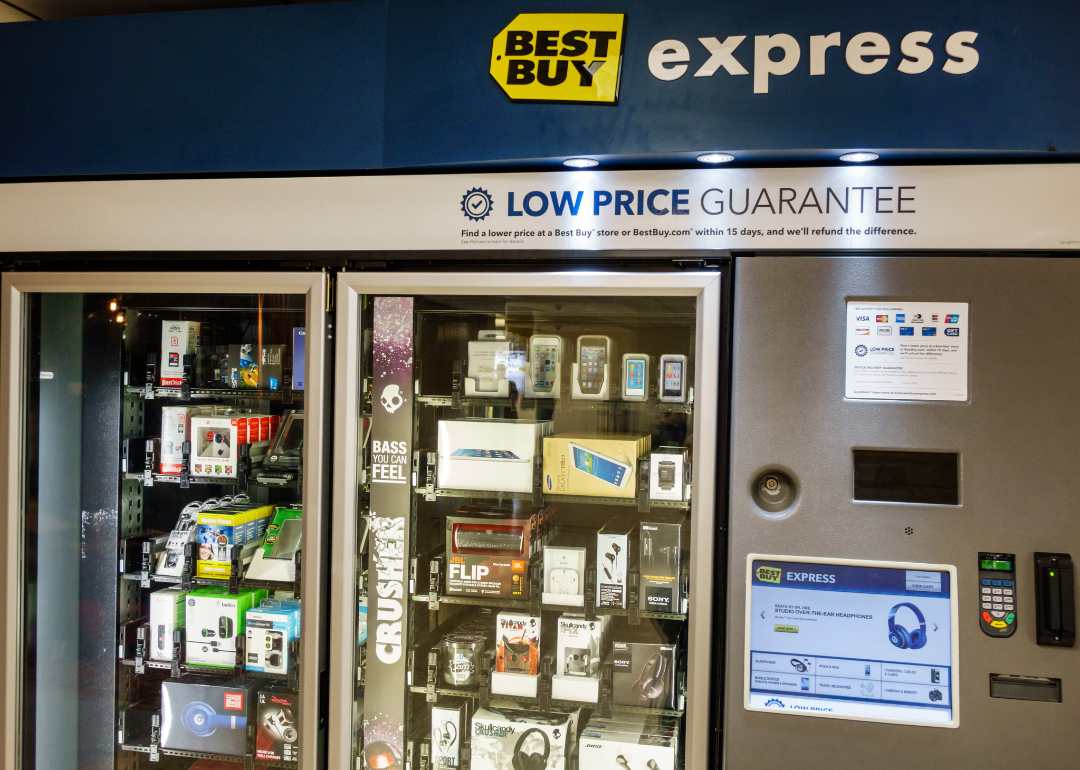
x: 580, y: 162
x: 859, y: 157
x: 716, y: 157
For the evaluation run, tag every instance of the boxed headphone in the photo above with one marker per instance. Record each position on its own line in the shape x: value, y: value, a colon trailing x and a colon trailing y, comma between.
x: 660, y: 545
x: 178, y: 339
x: 614, y: 544
x: 489, y: 556
x: 626, y: 746
x: 449, y: 723
x: 644, y: 674
x: 269, y: 628
x: 167, y: 613
x: 207, y: 718
x: 505, y: 739
x: 578, y: 655
x: 564, y: 576
x: 492, y: 455
x: 214, y: 620
x: 518, y: 640
x: 221, y: 530
x: 669, y: 474
x: 277, y: 737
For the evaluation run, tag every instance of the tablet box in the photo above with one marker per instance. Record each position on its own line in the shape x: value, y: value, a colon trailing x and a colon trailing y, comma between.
x: 644, y: 674
x: 220, y: 530
x: 669, y: 474
x: 564, y: 576
x: 488, y: 556
x: 563, y: 477
x: 278, y: 726
x: 268, y: 630
x: 495, y: 736
x: 299, y: 361
x: 167, y: 613
x: 463, y: 445
x: 178, y: 339
x: 614, y: 544
x: 214, y: 621
x: 449, y: 722
x: 661, y: 561
x: 207, y: 718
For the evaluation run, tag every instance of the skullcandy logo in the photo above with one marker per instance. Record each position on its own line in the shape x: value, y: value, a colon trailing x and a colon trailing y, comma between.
x: 391, y: 398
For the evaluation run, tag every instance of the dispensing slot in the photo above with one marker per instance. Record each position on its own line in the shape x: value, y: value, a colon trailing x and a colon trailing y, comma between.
x: 890, y: 476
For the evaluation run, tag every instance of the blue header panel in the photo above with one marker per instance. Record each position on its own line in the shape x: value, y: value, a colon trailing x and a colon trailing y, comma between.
x: 839, y: 577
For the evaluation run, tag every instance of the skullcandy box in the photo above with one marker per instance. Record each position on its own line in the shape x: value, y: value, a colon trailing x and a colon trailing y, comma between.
x: 449, y: 722
x: 518, y: 650
x: 505, y: 739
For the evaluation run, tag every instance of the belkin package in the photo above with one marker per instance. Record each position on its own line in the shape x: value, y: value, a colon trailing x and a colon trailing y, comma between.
x: 215, y: 620
x: 518, y: 740
x: 278, y: 725
x: 489, y: 556
x: 268, y: 630
x: 178, y: 339
x: 644, y: 674
x: 613, y: 547
x: 660, y: 543
x: 208, y: 718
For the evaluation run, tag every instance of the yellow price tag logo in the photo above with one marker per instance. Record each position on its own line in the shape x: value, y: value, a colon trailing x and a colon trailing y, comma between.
x: 560, y: 57
x: 769, y: 574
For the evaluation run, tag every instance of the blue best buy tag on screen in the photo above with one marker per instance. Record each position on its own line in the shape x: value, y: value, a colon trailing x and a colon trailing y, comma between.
x: 857, y: 642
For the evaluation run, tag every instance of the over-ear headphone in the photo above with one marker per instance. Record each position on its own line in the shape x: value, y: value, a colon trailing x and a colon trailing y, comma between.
x: 532, y: 761
x: 651, y: 684
x: 201, y: 720
x: 900, y: 636
x: 563, y: 581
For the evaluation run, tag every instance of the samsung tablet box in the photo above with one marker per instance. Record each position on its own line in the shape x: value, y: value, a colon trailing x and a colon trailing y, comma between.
x: 489, y: 455
x: 589, y: 465
x: 207, y: 718
x: 178, y: 339
x: 489, y: 556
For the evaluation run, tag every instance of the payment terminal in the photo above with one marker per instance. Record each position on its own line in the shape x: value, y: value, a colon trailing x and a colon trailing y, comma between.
x: 997, y: 594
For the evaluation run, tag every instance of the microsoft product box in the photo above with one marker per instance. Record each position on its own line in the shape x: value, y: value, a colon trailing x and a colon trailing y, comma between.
x: 614, y: 544
x: 491, y: 455
x: 502, y: 739
x: 178, y: 339
x: 214, y: 621
x: 277, y: 737
x: 207, y: 718
x: 167, y: 613
x: 660, y: 546
x: 449, y: 725
x: 489, y: 556
x: 644, y: 674
x: 590, y: 465
x: 175, y: 423
x: 221, y: 530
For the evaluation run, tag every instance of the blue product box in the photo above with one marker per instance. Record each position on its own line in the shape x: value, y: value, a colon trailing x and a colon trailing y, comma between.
x: 299, y: 336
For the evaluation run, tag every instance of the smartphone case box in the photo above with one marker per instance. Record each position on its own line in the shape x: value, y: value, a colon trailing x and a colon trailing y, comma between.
x: 221, y: 530
x: 564, y: 575
x: 644, y: 674
x: 178, y: 339
x: 277, y: 737
x: 669, y: 474
x: 498, y: 570
x: 207, y: 718
x: 495, y: 735
x: 449, y: 723
x: 175, y: 423
x: 167, y: 613
x: 299, y: 362
x: 214, y: 621
x: 614, y: 544
x: 561, y: 477
x: 660, y: 564
x: 522, y: 437
x: 268, y: 630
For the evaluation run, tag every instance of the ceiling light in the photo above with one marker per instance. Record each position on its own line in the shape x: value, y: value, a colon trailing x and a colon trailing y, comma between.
x: 716, y: 157
x: 859, y: 157
x: 580, y: 162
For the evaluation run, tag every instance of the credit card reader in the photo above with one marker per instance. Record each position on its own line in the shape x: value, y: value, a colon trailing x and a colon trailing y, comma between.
x: 997, y: 594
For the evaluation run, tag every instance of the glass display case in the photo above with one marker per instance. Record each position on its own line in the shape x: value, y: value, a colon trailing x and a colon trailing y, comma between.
x: 524, y: 520
x: 169, y: 489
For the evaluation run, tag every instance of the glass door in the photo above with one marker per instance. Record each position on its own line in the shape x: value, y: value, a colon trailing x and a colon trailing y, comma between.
x: 165, y: 495
x: 525, y: 506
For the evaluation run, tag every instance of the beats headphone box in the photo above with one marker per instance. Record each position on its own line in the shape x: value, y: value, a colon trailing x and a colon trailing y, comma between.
x: 208, y: 718
x: 278, y: 726
x: 644, y: 674
x: 522, y: 740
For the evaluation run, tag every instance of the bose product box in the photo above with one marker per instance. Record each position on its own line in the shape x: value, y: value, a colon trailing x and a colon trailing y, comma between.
x: 178, y: 339
x: 491, y: 455
x: 661, y: 560
x: 604, y: 749
x: 449, y: 723
x: 489, y: 556
x: 268, y: 631
x: 221, y: 530
x: 278, y: 726
x: 644, y: 674
x: 586, y: 464
x: 167, y: 613
x: 207, y: 718
x: 669, y: 474
x: 214, y: 620
x: 512, y: 740
x: 613, y: 549
x: 299, y: 351
x: 175, y: 421
x: 564, y: 576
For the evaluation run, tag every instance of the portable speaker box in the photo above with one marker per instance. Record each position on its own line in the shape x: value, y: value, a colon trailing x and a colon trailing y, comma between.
x: 277, y: 737
x: 167, y: 613
x: 507, y: 739
x: 491, y: 455
x: 644, y: 674
x: 449, y: 722
x: 489, y: 556
x: 207, y: 718
x: 591, y: 465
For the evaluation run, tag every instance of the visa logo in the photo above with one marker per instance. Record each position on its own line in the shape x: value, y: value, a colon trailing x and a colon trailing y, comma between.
x: 952, y: 331
x: 929, y: 331
x: 862, y: 318
x: 952, y: 318
x: 882, y: 319
x: 907, y: 331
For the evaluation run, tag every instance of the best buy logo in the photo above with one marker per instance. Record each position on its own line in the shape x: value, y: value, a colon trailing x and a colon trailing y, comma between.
x: 560, y: 57
x: 769, y: 574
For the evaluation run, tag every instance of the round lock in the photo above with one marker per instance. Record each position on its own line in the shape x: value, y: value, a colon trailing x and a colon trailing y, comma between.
x: 773, y: 491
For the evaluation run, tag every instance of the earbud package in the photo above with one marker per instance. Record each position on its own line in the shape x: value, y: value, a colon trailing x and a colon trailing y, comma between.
x: 521, y: 740
x: 605, y: 749
x: 214, y: 620
x: 669, y: 474
x: 449, y: 721
x: 660, y: 544
x: 564, y: 576
x: 210, y: 719
x: 644, y: 674
x: 167, y: 613
x: 278, y: 727
x: 518, y: 650
x: 578, y: 647
x: 613, y: 544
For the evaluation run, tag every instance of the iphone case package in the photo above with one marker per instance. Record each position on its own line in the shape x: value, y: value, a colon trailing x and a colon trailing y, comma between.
x: 588, y: 465
x: 489, y: 455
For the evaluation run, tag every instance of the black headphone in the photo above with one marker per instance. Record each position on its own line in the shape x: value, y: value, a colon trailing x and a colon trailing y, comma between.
x: 651, y: 684
x: 532, y: 761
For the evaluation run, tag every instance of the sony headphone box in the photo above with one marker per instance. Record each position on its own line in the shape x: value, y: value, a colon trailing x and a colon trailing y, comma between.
x: 644, y: 674
x: 614, y: 543
x: 522, y: 740
x: 660, y: 546
x: 449, y: 721
x: 277, y: 738
x: 564, y: 576
x: 489, y: 556
x: 208, y: 718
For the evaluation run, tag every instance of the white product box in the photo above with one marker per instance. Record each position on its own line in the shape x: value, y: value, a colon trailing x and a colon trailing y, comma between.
x: 669, y: 474
x: 175, y: 423
x: 178, y: 339
x: 215, y: 442
x: 449, y: 722
x: 167, y: 614
x: 491, y: 455
x: 495, y: 360
x: 603, y: 750
x: 496, y: 736
x: 578, y: 647
x: 564, y: 576
x: 613, y: 544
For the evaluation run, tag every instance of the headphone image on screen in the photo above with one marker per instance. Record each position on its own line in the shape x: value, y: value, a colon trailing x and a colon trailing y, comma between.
x: 532, y: 761
x: 900, y: 636
x: 201, y: 720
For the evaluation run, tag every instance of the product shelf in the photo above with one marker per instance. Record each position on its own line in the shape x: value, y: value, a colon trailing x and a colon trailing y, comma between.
x: 557, y: 404
x: 284, y: 395
x: 555, y: 704
x: 683, y: 505
x: 525, y: 605
x: 160, y: 478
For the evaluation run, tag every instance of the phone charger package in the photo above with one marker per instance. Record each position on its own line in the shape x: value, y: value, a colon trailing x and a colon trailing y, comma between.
x: 299, y: 351
x: 277, y: 738
x: 644, y: 674
x: 660, y: 544
x: 175, y: 423
x: 488, y: 556
x: 489, y: 455
x: 449, y: 722
x: 499, y: 737
x: 167, y: 613
x: 178, y: 339
x: 589, y: 465
x: 614, y: 542
x: 207, y: 718
x: 268, y: 631
x: 564, y: 576
x: 214, y: 621
x: 220, y: 531
x: 669, y: 474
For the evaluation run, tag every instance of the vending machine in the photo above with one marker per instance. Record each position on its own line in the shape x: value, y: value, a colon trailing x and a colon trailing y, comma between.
x: 525, y: 519
x: 164, y: 488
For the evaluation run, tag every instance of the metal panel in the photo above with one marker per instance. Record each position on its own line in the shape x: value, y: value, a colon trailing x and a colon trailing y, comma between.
x: 1017, y: 442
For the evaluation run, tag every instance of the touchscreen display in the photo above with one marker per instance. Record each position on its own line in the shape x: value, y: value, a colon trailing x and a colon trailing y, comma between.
x: 841, y: 640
